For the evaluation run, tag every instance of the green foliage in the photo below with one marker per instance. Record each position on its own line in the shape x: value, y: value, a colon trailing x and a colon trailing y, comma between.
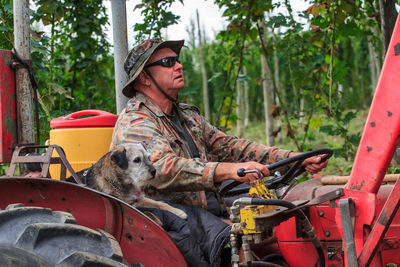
x: 393, y: 169
x: 72, y: 64
x: 243, y: 17
x: 6, y: 25
x: 3, y: 168
x: 156, y: 18
x: 340, y: 128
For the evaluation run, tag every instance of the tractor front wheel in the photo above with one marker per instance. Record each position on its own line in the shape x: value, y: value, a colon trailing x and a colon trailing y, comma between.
x: 34, y: 236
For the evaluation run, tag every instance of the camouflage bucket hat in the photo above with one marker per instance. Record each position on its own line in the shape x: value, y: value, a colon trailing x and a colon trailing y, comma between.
x: 138, y: 57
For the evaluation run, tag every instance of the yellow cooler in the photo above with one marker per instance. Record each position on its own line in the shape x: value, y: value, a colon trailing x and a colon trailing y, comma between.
x: 85, y: 137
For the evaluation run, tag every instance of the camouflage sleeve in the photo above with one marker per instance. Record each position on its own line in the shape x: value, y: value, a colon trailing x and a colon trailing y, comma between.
x: 174, y: 172
x: 225, y: 148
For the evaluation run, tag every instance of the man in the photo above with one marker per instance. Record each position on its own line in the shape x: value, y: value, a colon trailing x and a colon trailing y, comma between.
x: 190, y: 155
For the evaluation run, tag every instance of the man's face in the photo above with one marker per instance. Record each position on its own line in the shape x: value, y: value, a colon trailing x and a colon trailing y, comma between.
x: 170, y: 79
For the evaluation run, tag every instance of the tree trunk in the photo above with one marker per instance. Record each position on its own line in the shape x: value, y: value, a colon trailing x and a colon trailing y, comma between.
x: 191, y: 31
x: 267, y: 90
x: 191, y: 43
x: 372, y: 66
x: 374, y: 59
x: 186, y: 77
x: 301, y: 112
x: 203, y: 72
x: 239, y: 109
x: 246, y: 100
x: 388, y: 14
x: 277, y: 83
x: 377, y: 59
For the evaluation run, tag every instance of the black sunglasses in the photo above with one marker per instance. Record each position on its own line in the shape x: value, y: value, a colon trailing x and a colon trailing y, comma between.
x: 165, y: 62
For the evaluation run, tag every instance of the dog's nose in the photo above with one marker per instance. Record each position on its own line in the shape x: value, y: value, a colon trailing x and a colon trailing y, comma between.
x: 153, y: 171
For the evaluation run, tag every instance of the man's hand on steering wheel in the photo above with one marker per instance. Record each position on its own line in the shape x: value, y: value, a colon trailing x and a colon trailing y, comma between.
x: 312, y: 164
x: 228, y: 171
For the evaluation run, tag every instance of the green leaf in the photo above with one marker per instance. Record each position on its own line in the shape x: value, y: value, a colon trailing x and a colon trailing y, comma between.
x: 315, y: 123
x: 5, y: 28
x: 355, y: 139
x: 316, y: 9
x: 349, y: 116
x: 350, y: 29
x: 329, y: 129
x: 84, y: 29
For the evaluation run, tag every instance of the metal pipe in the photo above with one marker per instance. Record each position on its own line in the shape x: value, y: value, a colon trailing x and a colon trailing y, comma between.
x: 338, y: 180
x: 235, y: 259
x: 120, y: 42
x: 23, y: 85
x: 243, y: 201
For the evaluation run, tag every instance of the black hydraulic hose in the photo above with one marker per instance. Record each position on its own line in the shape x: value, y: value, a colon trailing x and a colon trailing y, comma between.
x: 309, y: 230
x: 273, y: 256
x: 275, y: 202
x: 263, y: 264
x: 264, y: 261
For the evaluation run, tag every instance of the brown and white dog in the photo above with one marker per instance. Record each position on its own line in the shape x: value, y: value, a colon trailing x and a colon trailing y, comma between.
x: 121, y: 172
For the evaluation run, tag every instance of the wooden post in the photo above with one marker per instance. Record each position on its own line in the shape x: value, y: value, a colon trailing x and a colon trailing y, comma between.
x: 267, y: 89
x: 120, y: 42
x: 203, y: 72
x: 24, y: 94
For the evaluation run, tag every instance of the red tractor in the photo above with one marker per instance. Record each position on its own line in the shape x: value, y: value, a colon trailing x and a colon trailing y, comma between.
x: 45, y: 222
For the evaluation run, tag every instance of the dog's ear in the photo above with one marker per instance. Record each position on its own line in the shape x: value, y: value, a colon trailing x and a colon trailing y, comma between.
x: 119, y: 157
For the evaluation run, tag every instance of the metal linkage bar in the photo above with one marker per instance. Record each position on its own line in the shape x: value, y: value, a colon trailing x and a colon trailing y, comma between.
x: 347, y: 215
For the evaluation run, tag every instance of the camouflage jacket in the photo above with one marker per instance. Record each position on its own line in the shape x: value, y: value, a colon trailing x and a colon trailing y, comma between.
x: 180, y: 178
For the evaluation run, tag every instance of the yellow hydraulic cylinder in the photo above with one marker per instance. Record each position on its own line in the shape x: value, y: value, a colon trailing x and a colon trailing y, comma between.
x: 248, y: 213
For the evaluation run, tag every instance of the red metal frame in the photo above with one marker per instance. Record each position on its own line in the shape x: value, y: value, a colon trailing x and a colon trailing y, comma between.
x: 141, y: 240
x: 8, y: 114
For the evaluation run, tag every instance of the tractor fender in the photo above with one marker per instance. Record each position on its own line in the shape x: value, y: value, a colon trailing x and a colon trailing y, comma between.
x: 141, y: 240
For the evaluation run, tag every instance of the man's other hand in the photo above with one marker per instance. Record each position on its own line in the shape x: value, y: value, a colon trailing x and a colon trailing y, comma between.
x: 312, y: 164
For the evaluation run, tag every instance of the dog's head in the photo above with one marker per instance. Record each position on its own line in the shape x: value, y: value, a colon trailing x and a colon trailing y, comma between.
x: 134, y: 161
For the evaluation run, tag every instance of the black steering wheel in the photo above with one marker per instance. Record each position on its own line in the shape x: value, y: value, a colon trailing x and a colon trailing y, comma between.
x: 295, y: 170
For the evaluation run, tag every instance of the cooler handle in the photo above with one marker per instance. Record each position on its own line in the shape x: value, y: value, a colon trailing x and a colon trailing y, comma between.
x: 77, y: 114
